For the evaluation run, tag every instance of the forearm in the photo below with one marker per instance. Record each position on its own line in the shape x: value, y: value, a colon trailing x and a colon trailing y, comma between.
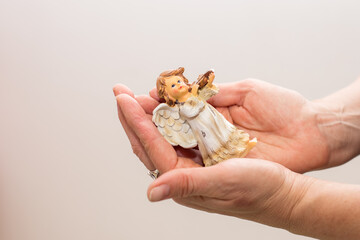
x: 338, y: 118
x: 307, y: 206
x: 328, y: 211
x: 195, y: 89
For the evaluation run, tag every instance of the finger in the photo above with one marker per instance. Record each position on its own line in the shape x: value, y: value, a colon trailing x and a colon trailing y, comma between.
x: 154, y: 94
x: 226, y: 113
x: 193, y: 154
x: 184, y: 183
x: 121, y: 88
x: 232, y: 93
x: 136, y: 145
x: 159, y: 151
x: 147, y: 103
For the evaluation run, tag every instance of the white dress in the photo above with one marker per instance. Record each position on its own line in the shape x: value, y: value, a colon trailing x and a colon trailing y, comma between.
x: 217, y: 138
x: 195, y: 122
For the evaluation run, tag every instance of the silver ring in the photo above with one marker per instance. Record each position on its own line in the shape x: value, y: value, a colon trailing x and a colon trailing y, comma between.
x: 154, y: 174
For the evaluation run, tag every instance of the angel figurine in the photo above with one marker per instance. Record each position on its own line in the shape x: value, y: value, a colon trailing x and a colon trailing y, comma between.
x: 186, y: 119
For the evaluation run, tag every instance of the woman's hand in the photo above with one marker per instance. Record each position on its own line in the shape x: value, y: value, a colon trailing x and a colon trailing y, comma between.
x: 268, y: 193
x: 252, y: 189
x: 283, y: 121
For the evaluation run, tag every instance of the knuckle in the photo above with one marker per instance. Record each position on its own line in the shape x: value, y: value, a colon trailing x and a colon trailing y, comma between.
x: 244, y: 202
x: 250, y: 81
x: 149, y: 147
x: 151, y: 144
x: 137, y: 150
x: 187, y: 183
x: 142, y: 155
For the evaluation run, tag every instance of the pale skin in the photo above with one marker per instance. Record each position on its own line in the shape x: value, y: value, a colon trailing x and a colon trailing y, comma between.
x: 294, y: 135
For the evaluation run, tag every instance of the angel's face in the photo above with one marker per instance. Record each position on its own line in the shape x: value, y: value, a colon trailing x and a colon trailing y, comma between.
x: 176, y: 87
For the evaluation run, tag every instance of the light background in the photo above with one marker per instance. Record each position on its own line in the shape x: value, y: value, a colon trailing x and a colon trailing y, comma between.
x: 66, y: 168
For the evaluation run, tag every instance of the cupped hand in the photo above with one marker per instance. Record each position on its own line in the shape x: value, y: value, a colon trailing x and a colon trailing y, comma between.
x: 282, y: 120
x: 148, y: 144
x: 252, y: 189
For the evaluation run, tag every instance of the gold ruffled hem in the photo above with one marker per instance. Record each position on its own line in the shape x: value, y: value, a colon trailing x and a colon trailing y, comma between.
x: 238, y: 146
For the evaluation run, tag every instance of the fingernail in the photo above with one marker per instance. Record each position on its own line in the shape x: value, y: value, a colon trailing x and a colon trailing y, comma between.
x: 159, y: 193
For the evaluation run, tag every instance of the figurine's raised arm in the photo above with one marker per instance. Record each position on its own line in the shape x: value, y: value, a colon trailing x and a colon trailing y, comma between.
x: 206, y: 87
x: 195, y: 89
x: 206, y: 79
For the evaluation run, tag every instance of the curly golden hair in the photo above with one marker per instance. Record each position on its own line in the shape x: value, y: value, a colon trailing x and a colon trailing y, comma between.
x: 161, y: 80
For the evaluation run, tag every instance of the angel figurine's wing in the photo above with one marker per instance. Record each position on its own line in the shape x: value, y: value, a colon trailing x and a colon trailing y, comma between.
x: 175, y: 129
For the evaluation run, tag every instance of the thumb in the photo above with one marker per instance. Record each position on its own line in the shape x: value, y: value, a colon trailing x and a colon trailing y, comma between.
x: 232, y: 93
x: 182, y: 183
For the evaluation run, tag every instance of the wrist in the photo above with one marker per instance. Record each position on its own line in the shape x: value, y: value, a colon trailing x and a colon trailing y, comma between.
x: 300, y: 194
x: 294, y: 193
x: 327, y: 210
x: 315, y: 208
x: 339, y: 129
x: 282, y: 209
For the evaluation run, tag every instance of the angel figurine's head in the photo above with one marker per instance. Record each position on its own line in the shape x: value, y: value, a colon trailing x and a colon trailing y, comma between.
x: 172, y: 85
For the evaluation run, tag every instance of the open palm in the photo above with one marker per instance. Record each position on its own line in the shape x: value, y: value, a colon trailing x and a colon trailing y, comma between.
x: 282, y: 120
